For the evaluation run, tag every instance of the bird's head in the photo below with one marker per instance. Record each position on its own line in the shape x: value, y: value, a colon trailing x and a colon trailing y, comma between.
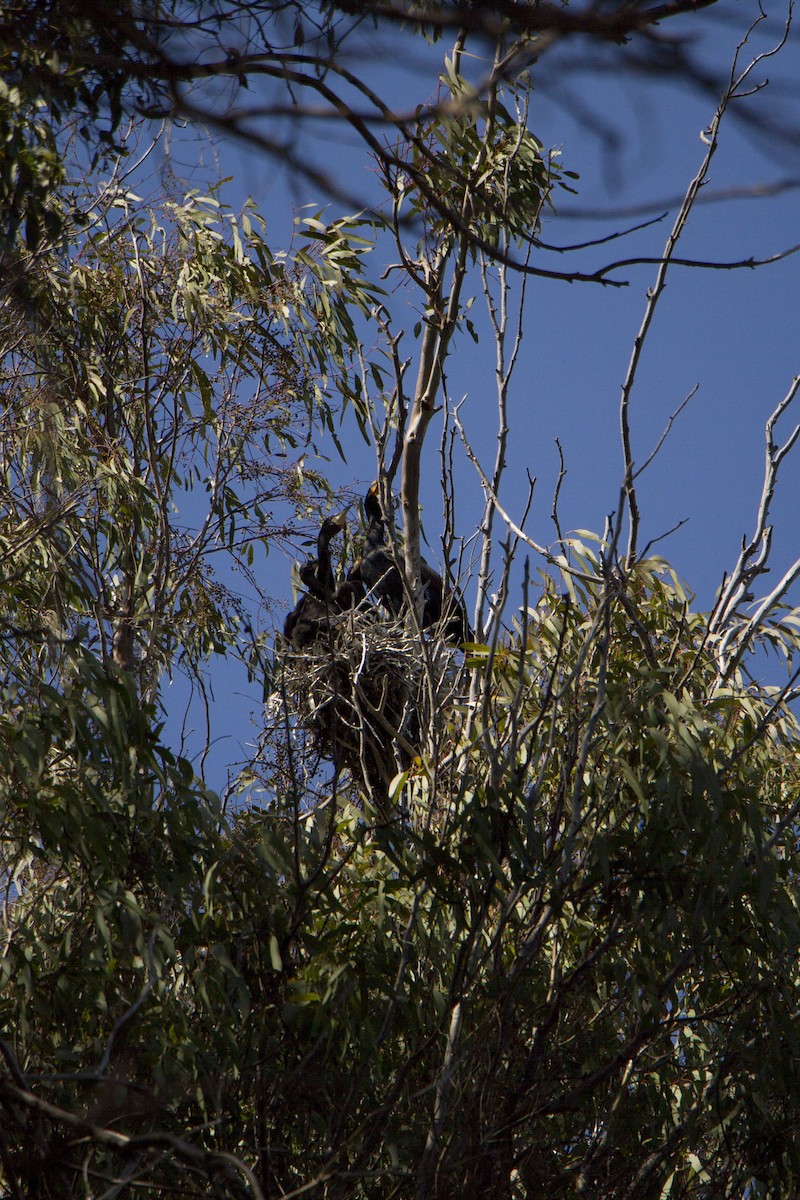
x: 339, y: 522
x: 372, y: 502
x: 332, y: 526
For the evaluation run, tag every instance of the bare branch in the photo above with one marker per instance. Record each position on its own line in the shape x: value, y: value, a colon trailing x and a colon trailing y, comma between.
x: 600, y: 241
x: 709, y: 195
x: 493, y: 19
x: 665, y: 434
x: 711, y: 138
x: 754, y: 555
x: 209, y: 1160
x: 562, y: 472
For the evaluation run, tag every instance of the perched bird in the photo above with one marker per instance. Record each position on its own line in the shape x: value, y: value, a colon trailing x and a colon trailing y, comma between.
x: 310, y: 615
x: 377, y: 572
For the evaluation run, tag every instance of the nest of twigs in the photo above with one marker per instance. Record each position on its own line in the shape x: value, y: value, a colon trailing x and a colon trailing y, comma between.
x: 369, y: 692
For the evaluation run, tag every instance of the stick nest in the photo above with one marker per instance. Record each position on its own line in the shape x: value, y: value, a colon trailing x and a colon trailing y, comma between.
x: 370, y: 693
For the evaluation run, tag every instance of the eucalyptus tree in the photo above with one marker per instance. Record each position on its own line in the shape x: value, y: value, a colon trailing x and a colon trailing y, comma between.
x: 157, y: 380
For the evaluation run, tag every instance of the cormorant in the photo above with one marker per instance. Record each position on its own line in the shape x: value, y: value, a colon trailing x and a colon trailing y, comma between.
x: 310, y: 615
x: 377, y: 572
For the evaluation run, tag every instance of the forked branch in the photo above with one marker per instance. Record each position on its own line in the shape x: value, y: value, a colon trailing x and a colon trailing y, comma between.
x: 755, y: 552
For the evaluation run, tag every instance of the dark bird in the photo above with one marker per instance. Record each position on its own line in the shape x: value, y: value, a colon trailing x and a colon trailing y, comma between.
x: 352, y: 594
x: 377, y: 572
x: 311, y: 614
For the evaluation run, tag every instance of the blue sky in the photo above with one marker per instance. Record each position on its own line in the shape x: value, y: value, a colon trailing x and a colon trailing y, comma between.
x: 732, y: 335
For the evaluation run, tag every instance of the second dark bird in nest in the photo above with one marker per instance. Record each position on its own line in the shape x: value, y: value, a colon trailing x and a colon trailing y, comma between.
x: 310, y: 616
x: 377, y: 573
